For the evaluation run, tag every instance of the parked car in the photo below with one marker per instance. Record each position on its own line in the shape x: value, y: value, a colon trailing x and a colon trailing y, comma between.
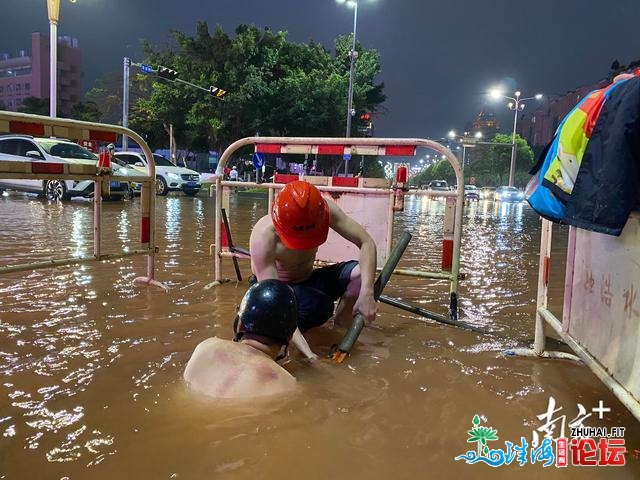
x: 438, y: 185
x: 26, y: 148
x: 169, y: 177
x: 508, y: 194
x: 471, y: 192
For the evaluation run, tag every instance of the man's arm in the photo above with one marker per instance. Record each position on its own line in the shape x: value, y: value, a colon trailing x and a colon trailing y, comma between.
x: 262, y: 246
x: 356, y: 234
x: 302, y: 345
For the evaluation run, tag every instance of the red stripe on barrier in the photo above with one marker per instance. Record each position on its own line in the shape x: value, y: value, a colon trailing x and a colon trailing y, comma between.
x: 400, y: 150
x: 145, y: 229
x: 546, y: 270
x: 330, y: 149
x: 268, y: 147
x: 46, y: 167
x: 285, y: 178
x: 344, y: 181
x: 447, y: 254
x: 26, y: 128
x: 99, y: 136
x: 224, y: 240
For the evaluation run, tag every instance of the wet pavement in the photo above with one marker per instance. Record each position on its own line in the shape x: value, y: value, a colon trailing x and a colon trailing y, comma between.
x: 92, y: 364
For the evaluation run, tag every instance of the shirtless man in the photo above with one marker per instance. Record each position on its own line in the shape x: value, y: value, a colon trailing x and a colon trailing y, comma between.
x: 246, y: 367
x: 283, y: 245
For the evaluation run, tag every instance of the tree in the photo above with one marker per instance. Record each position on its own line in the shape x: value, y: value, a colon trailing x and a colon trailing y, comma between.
x: 35, y: 105
x: 444, y: 171
x: 107, y: 93
x: 493, y: 164
x: 372, y: 168
x: 274, y: 88
x: 87, y: 111
x: 423, y: 177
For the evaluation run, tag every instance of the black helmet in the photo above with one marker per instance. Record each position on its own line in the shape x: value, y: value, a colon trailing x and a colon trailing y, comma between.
x: 268, y: 311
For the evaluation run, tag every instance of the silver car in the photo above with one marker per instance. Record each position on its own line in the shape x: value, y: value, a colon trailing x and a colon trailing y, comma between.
x: 26, y: 148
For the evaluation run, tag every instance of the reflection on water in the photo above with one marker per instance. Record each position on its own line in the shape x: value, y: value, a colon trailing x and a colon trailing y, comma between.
x: 92, y: 364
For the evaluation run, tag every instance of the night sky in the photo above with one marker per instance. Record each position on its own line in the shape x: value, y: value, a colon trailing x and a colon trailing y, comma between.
x: 439, y: 58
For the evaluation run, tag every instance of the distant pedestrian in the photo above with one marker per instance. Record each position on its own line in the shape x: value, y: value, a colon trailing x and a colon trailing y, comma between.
x: 233, y: 174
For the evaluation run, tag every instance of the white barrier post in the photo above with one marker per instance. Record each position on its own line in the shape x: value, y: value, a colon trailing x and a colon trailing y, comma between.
x: 448, y: 231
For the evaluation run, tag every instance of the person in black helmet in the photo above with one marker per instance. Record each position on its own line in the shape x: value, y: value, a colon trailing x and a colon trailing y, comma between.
x: 284, y: 245
x: 246, y: 367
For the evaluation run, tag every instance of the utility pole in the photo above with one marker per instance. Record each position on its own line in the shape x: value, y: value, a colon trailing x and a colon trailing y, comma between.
x: 125, y: 100
x: 172, y: 154
x: 353, y: 55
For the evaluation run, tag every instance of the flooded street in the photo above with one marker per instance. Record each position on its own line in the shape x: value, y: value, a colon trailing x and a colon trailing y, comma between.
x: 92, y: 364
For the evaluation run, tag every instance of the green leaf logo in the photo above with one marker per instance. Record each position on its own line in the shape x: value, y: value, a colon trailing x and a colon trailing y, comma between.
x: 481, y: 435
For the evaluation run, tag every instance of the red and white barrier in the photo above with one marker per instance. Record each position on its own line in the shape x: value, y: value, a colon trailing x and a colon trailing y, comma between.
x: 82, y: 132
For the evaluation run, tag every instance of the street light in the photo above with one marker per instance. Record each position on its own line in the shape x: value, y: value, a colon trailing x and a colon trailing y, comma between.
x: 466, y: 141
x: 53, y: 9
x: 517, y: 106
x: 352, y: 56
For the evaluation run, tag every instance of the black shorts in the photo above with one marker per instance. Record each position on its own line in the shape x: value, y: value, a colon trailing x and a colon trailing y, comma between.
x: 317, y: 294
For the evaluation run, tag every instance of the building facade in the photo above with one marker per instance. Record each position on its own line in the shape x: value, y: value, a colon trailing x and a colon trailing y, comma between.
x: 485, y: 123
x: 539, y: 126
x: 27, y: 75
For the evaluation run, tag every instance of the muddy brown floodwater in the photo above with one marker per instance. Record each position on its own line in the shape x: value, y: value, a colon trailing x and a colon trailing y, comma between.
x: 92, y: 364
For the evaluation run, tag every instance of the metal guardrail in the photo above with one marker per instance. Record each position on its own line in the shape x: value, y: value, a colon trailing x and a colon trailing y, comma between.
x: 360, y: 146
x: 36, y: 125
x: 600, y: 333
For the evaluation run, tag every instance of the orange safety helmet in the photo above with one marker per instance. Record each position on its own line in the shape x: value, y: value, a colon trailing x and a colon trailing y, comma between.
x: 300, y: 216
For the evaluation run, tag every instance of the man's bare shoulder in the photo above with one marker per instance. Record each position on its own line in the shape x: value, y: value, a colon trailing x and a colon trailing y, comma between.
x: 263, y: 234
x: 264, y: 224
x: 335, y: 212
x: 225, y: 369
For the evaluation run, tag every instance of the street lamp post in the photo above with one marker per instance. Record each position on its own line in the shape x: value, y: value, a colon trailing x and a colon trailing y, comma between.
x: 53, y: 10
x: 469, y: 142
x: 352, y: 55
x: 517, y: 106
x: 466, y: 141
x: 126, y: 67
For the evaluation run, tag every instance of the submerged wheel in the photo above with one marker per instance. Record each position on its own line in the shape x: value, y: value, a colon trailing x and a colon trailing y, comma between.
x: 161, y: 186
x: 55, y: 190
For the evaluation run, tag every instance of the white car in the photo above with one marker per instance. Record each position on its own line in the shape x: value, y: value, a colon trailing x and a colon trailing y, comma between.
x: 169, y: 177
x: 26, y: 148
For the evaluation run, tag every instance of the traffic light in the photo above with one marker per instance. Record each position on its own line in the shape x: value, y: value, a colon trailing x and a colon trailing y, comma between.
x: 366, y: 126
x: 217, y: 92
x: 167, y: 73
